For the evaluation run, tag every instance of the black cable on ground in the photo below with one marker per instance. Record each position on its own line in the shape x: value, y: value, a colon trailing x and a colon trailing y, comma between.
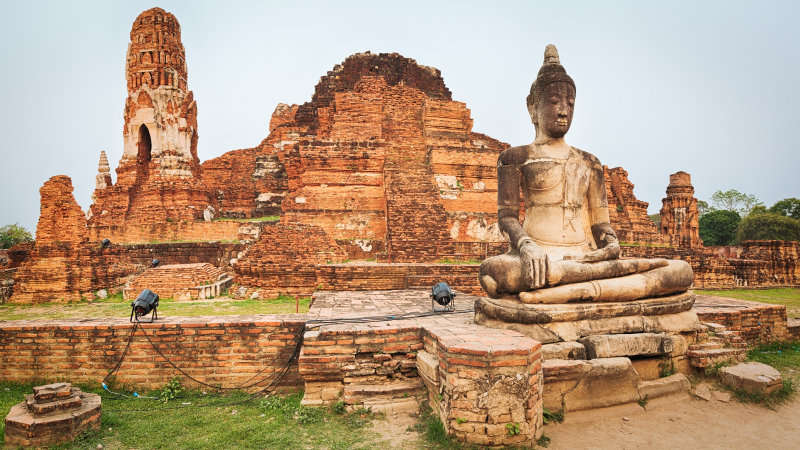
x: 280, y: 374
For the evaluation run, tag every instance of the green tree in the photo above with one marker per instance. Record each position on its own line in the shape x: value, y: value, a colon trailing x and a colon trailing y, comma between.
x: 702, y: 207
x: 656, y: 218
x: 11, y: 235
x: 768, y: 226
x: 734, y: 201
x: 717, y: 227
x: 789, y: 207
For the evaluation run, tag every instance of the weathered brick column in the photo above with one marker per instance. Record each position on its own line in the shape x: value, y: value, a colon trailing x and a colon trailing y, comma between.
x: 487, y: 385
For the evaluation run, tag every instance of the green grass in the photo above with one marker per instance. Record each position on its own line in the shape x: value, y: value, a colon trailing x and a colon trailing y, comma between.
x: 179, y: 241
x: 629, y: 244
x: 789, y: 297
x: 253, y: 219
x: 453, y: 261
x: 271, y: 423
x: 114, y: 306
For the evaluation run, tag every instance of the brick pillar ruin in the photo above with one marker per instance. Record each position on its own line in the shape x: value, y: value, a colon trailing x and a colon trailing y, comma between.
x: 63, y: 265
x: 679, y: 215
x: 159, y: 177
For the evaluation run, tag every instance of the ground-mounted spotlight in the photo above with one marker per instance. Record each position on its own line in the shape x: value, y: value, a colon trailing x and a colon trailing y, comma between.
x: 144, y: 304
x: 105, y: 243
x: 444, y: 296
x: 155, y: 263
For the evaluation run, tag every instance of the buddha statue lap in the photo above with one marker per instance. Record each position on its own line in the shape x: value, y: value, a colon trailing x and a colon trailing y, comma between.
x: 566, y: 251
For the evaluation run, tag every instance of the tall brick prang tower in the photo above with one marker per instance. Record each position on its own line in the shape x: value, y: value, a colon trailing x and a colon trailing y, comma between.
x: 159, y: 175
x: 680, y: 219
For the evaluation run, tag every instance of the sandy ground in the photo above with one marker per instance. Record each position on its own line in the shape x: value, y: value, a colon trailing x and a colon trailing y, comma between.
x: 691, y: 424
x: 393, y: 430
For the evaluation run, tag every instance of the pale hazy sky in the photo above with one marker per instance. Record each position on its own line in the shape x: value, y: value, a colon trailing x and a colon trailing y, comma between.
x: 710, y: 88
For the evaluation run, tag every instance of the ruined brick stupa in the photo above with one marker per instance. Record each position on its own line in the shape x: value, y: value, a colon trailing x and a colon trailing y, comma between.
x: 158, y: 177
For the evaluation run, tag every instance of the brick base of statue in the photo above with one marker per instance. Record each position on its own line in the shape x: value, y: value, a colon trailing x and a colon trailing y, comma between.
x: 53, y: 413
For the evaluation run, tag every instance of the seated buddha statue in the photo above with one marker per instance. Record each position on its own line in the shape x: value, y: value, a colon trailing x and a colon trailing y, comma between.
x: 566, y: 249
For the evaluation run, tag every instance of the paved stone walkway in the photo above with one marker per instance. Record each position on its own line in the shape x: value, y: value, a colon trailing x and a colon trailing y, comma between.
x: 338, y: 304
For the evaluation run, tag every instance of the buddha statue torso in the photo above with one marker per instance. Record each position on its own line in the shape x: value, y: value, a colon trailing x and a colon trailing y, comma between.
x: 554, y: 190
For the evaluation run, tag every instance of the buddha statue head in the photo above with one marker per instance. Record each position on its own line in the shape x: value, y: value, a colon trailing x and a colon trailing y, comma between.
x: 551, y: 102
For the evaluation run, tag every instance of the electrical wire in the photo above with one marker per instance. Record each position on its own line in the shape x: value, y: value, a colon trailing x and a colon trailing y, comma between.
x: 279, y: 375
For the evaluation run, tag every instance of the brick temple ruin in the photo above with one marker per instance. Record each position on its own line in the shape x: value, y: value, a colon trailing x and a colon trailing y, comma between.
x: 369, y: 186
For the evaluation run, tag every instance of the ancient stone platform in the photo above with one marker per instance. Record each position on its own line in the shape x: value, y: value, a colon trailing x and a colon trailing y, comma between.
x: 53, y: 413
x: 753, y: 321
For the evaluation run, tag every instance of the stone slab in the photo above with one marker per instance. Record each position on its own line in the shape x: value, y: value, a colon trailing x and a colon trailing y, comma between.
x: 428, y: 366
x: 752, y: 377
x: 563, y: 350
x: 671, y: 385
x: 684, y: 322
x: 634, y: 344
x: 510, y: 309
x: 608, y: 382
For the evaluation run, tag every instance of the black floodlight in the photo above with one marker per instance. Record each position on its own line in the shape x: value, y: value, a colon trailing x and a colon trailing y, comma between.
x: 144, y: 304
x: 155, y: 263
x: 444, y: 296
x: 105, y: 243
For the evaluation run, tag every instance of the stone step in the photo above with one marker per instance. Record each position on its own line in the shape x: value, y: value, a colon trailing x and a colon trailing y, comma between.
x: 365, y: 393
x: 706, y: 358
x: 715, y: 327
x: 706, y: 346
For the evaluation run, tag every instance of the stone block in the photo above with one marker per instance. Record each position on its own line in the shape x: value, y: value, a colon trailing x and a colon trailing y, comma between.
x: 673, y: 384
x: 608, y: 382
x: 648, y: 368
x: 564, y: 350
x: 635, y: 344
x: 428, y: 366
x: 752, y: 377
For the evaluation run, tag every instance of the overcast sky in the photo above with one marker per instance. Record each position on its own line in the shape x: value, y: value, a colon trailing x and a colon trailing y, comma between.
x: 710, y: 88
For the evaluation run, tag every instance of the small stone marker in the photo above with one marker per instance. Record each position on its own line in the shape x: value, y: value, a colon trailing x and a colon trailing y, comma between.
x: 54, y: 413
x: 102, y: 293
x: 752, y: 377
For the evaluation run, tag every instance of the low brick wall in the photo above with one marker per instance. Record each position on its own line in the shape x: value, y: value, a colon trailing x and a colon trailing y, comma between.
x: 793, y: 326
x: 752, y: 320
x: 227, y: 351
x: 216, y: 253
x: 172, y: 231
x: 364, y: 277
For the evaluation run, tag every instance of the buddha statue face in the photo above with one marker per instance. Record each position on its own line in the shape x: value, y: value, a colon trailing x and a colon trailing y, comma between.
x: 553, y: 113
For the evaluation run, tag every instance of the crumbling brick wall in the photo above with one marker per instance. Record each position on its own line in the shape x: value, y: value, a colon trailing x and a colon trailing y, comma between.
x: 282, y: 261
x: 63, y: 265
x: 224, y: 352
x: 627, y: 213
x: 170, y: 279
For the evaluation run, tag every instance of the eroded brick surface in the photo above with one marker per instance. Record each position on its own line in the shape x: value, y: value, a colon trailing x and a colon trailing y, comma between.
x: 62, y: 265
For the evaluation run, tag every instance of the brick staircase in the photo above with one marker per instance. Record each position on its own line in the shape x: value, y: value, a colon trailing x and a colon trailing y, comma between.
x: 716, y: 346
x: 398, y: 396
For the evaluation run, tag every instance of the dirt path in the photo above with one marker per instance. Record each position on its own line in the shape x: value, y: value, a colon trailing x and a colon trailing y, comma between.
x: 696, y: 424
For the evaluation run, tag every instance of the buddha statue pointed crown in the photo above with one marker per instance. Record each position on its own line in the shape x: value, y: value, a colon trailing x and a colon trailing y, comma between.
x: 551, y: 72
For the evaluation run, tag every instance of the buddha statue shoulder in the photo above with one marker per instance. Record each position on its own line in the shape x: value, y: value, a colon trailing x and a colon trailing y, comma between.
x: 566, y: 250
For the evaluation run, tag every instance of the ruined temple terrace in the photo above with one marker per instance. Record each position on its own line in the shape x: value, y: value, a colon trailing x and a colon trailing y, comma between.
x: 568, y: 298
